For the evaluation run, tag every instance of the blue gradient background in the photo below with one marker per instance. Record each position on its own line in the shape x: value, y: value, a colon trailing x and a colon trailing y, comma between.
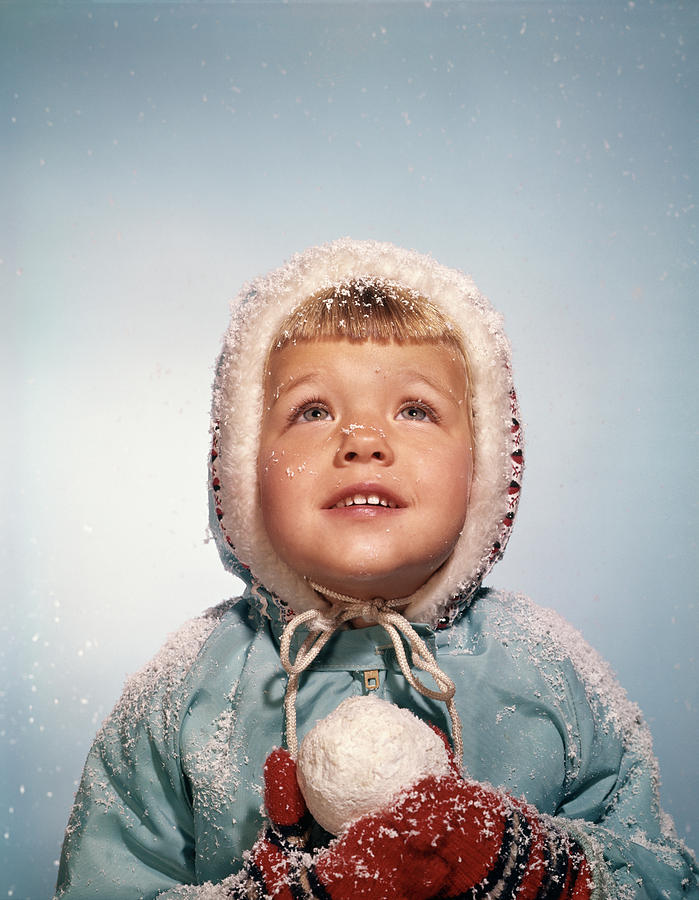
x: 156, y: 155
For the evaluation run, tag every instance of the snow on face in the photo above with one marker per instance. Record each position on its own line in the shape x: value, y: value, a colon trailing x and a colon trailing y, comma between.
x: 365, y: 462
x: 361, y: 756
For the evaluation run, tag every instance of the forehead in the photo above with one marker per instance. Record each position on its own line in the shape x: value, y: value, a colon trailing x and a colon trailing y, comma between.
x: 357, y: 364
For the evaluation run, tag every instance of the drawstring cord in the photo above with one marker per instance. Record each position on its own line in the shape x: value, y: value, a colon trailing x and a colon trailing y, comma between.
x: 321, y: 629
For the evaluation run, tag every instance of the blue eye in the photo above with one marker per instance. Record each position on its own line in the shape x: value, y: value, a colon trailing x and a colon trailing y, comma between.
x: 314, y: 414
x: 415, y: 413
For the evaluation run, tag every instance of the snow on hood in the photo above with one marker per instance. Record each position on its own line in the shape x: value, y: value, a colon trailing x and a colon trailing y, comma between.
x: 257, y: 313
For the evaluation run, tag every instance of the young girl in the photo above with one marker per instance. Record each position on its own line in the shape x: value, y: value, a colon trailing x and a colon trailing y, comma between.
x: 365, y: 473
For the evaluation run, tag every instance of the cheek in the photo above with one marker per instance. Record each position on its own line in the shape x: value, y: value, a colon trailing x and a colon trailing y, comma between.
x: 285, y: 488
x: 270, y: 482
x: 282, y: 477
x: 454, y: 487
x: 277, y: 499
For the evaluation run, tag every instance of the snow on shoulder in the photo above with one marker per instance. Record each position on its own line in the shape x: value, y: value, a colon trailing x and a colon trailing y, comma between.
x: 549, y: 640
x: 162, y: 677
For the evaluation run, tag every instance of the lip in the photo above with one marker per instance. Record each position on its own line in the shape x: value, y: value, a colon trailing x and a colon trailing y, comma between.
x: 366, y: 489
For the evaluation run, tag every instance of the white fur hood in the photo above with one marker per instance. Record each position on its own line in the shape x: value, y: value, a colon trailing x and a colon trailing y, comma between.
x: 257, y: 313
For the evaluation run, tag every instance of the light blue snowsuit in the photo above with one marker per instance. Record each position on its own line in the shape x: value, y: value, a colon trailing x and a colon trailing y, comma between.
x: 171, y: 793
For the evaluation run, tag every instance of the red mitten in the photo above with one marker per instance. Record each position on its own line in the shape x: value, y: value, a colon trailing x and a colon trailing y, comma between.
x: 447, y: 836
x: 444, y: 838
x: 283, y: 798
x: 274, y: 863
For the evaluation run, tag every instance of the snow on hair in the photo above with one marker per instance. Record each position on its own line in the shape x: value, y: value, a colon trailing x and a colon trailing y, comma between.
x: 373, y: 309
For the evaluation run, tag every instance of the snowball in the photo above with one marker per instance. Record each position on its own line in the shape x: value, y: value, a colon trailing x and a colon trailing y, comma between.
x: 361, y: 756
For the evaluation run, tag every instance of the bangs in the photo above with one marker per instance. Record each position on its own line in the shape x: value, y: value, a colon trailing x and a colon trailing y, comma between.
x: 368, y: 310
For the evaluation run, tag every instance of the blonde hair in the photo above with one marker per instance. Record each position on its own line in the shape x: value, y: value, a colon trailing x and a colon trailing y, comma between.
x: 373, y: 309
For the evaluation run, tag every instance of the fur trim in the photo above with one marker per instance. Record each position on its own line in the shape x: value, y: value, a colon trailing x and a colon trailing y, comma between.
x: 238, y: 402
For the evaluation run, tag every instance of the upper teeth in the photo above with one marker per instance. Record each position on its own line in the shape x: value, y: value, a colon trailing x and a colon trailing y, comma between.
x: 363, y: 499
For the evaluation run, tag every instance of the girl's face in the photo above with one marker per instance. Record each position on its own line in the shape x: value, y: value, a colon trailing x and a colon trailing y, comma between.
x: 365, y: 462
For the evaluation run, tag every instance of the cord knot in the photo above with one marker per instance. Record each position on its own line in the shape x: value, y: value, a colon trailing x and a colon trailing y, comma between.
x: 321, y: 627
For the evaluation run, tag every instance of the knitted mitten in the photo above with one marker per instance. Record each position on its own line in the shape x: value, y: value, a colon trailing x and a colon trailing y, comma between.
x: 444, y: 837
x: 277, y: 859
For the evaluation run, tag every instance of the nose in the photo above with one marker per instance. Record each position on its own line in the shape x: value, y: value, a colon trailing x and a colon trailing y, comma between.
x: 363, y: 444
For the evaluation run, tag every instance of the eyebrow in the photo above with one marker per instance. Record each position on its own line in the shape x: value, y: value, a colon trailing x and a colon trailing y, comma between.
x: 292, y: 382
x: 440, y: 387
x: 409, y: 375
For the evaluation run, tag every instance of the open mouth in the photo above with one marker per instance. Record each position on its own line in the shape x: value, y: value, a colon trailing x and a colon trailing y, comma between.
x: 364, y: 500
x: 365, y: 495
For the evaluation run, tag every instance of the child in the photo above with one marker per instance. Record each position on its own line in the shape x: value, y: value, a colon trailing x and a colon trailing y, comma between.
x: 365, y: 473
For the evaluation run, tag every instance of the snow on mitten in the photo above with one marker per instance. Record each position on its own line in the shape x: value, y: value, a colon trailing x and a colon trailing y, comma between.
x: 442, y: 837
x: 275, y: 861
x: 445, y: 837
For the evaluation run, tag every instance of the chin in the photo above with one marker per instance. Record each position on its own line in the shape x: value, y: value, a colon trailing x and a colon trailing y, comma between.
x: 370, y: 585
